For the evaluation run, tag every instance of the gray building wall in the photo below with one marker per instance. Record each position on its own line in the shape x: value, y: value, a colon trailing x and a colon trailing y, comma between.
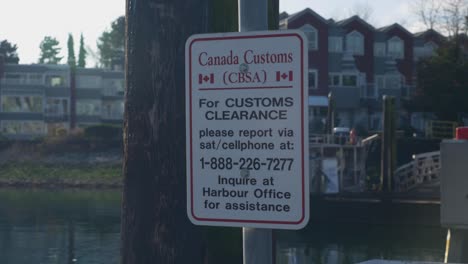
x: 52, y: 84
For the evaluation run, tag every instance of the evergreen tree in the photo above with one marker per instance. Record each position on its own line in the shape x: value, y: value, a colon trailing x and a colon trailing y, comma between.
x: 82, y: 54
x: 71, y: 60
x: 111, y: 43
x: 443, y: 83
x: 8, y: 50
x: 49, y: 51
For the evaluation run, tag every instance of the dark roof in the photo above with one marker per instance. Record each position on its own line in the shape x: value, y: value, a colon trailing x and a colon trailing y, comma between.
x: 113, y: 74
x: 346, y: 21
x: 426, y: 32
x: 88, y: 71
x: 283, y: 15
x: 35, y: 67
x: 392, y: 26
x: 303, y: 12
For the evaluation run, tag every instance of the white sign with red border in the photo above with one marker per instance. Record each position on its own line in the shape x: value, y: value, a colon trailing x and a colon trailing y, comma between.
x: 247, y: 129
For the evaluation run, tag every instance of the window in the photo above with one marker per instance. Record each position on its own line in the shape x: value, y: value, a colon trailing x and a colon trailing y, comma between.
x: 22, y: 78
x: 21, y: 104
x: 35, y: 78
x: 88, y: 107
x: 15, y: 78
x: 119, y: 85
x: 380, y: 81
x: 345, y: 79
x: 349, y: 80
x: 32, y: 127
x: 393, y: 81
x: 55, y: 80
x: 376, y: 121
x: 396, y: 48
x: 379, y: 49
x: 312, y: 36
x: 388, y: 81
x: 88, y: 82
x: 431, y: 46
x: 334, y: 79
x: 335, y: 44
x: 355, y: 43
x: 56, y: 106
x: 11, y: 127
x: 312, y: 79
x: 113, y: 110
x: 427, y: 50
x: 23, y: 127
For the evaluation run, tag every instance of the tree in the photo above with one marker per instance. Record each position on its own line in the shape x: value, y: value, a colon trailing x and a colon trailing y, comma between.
x: 71, y: 60
x: 466, y: 22
x: 443, y: 83
x: 8, y: 50
x: 453, y: 16
x: 49, y: 51
x: 447, y: 16
x: 427, y: 11
x: 111, y: 43
x: 82, y: 53
x: 155, y: 226
x: 363, y: 10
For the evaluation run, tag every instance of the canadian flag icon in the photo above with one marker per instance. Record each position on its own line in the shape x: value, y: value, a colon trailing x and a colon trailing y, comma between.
x: 205, y: 78
x: 284, y: 76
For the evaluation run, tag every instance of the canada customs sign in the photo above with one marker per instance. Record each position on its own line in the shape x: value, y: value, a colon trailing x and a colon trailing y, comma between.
x: 247, y: 129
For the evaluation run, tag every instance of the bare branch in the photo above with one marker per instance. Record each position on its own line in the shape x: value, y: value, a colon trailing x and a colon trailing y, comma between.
x: 362, y: 9
x: 453, y: 14
x: 428, y: 12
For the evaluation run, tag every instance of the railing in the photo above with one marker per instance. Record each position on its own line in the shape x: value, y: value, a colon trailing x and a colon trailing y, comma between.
x: 113, y: 116
x: 441, y: 129
x: 424, y: 168
x: 370, y: 91
x: 15, y: 81
x: 111, y: 91
x: 332, y: 139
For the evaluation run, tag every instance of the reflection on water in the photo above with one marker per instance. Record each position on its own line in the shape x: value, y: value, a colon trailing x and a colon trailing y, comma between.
x: 335, y: 244
x: 48, y: 227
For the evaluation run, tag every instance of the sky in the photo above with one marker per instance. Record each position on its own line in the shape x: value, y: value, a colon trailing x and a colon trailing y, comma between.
x: 26, y: 22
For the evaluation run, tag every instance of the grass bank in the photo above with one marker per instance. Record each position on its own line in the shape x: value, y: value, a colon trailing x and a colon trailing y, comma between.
x: 32, y: 174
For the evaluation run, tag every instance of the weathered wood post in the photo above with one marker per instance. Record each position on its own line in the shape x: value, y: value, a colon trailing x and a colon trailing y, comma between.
x: 330, y: 124
x: 155, y: 227
x: 388, y: 158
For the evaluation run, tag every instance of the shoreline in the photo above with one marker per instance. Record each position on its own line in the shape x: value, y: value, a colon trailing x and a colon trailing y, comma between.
x: 60, y: 186
x: 42, y: 175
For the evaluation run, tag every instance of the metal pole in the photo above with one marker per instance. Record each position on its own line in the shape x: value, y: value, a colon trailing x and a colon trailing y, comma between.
x: 257, y: 243
x: 253, y: 15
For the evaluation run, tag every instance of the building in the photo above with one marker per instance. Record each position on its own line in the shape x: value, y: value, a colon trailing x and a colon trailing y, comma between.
x: 358, y: 64
x: 38, y: 100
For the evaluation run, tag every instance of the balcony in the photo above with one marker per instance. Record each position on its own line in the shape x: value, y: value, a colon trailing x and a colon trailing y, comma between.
x: 21, y: 81
x: 48, y: 117
x: 112, y: 92
x: 371, y: 92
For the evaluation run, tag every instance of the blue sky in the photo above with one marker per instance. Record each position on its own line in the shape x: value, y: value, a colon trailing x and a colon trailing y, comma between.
x: 26, y: 22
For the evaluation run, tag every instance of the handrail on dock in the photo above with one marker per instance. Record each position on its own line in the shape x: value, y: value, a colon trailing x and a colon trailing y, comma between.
x: 424, y: 168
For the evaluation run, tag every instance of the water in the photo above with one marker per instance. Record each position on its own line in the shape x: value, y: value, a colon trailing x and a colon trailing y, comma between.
x: 65, y: 227
x: 353, y: 243
x: 46, y: 227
